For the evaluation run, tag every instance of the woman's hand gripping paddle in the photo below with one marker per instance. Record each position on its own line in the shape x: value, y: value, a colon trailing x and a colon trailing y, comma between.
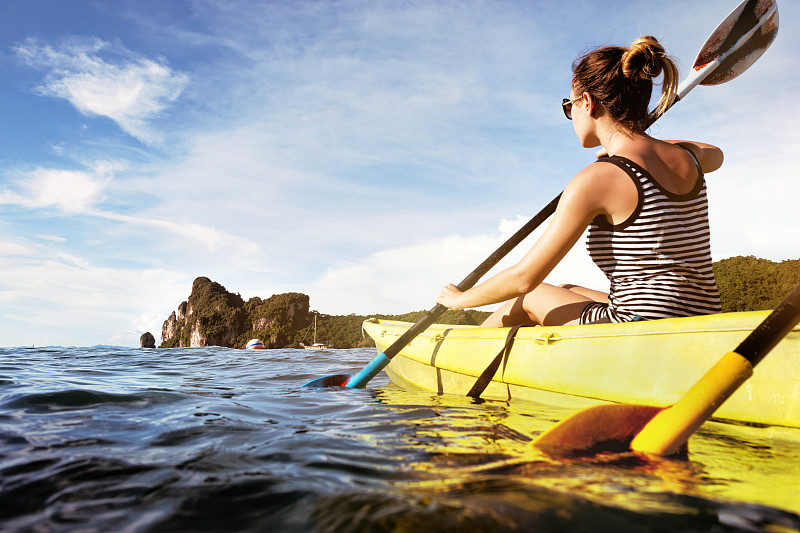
x: 658, y: 431
x: 736, y: 43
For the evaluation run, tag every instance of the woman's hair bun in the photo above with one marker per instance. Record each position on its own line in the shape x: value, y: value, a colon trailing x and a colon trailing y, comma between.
x: 622, y: 80
x: 644, y: 59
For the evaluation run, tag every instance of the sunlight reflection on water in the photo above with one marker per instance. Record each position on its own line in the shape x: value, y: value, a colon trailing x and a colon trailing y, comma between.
x: 99, y: 439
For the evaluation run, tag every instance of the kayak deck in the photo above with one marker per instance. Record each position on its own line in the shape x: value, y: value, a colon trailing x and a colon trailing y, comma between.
x: 649, y: 362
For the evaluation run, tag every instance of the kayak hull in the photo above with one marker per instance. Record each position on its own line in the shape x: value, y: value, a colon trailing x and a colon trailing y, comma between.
x: 647, y: 362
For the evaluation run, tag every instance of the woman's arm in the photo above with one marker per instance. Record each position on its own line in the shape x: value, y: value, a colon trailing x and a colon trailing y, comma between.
x: 580, y: 203
x: 709, y: 156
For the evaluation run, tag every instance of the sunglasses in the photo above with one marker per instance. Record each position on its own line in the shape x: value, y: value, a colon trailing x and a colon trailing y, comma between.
x: 566, y: 104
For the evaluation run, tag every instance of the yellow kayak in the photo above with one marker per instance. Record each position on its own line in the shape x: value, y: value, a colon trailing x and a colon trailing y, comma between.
x: 648, y: 362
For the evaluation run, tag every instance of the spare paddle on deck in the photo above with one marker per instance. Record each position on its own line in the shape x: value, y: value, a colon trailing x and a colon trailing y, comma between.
x: 736, y: 43
x: 658, y: 431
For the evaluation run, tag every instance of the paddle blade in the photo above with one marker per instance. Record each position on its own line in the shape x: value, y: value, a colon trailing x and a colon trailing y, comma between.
x: 604, y: 428
x: 335, y: 380
x: 744, y: 35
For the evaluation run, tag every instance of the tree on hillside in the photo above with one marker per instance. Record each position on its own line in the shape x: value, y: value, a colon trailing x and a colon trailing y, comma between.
x: 752, y: 284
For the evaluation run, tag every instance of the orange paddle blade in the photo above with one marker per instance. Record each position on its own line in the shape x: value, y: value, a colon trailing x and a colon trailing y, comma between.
x: 604, y: 428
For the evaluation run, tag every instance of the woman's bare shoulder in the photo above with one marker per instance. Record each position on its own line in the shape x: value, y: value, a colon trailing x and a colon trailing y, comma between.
x: 599, y: 176
x: 602, y: 188
x: 709, y: 157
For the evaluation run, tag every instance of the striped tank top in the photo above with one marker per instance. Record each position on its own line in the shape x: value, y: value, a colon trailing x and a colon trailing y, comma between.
x: 659, y: 260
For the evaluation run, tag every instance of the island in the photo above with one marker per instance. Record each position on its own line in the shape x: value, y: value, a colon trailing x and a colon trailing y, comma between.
x: 213, y: 316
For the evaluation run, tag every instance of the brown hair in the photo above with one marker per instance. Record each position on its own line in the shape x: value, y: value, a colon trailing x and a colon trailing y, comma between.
x: 622, y: 79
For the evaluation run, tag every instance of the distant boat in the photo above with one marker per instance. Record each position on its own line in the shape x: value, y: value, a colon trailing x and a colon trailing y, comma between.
x: 315, y: 345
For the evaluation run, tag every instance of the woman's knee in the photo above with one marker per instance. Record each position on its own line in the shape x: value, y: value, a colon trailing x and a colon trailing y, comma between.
x: 555, y: 305
x: 511, y: 313
x: 597, y: 296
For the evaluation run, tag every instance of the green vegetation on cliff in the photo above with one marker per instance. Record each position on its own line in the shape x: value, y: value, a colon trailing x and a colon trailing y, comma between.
x: 345, y: 331
x: 212, y: 316
x: 277, y: 321
x: 752, y: 284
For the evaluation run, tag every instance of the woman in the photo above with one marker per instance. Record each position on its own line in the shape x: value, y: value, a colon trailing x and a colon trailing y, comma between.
x: 644, y: 201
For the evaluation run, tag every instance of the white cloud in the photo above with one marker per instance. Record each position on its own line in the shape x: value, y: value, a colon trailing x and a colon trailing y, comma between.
x: 53, y: 238
x: 752, y: 215
x: 409, y: 278
x: 71, y: 191
x: 130, y: 91
x: 240, y: 250
x: 8, y: 249
x: 78, y: 192
x: 49, y: 297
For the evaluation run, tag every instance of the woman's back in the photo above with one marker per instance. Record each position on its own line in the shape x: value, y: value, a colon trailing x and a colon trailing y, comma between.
x: 658, y: 259
x: 672, y: 167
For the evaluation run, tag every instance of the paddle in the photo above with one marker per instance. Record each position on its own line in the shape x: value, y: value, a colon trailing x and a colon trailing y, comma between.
x: 660, y: 431
x: 736, y: 43
x: 360, y: 379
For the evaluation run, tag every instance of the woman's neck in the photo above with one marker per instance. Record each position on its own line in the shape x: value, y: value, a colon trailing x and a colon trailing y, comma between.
x: 616, y: 138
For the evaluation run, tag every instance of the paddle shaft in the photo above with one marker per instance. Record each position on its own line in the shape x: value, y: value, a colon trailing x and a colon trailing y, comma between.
x: 699, y: 73
x: 382, y: 359
x: 769, y: 333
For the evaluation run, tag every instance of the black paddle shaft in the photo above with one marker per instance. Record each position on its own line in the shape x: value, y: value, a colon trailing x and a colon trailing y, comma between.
x: 770, y: 332
x: 435, y: 312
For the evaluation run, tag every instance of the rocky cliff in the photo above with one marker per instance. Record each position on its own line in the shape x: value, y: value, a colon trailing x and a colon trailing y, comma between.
x: 212, y: 316
x: 147, y: 340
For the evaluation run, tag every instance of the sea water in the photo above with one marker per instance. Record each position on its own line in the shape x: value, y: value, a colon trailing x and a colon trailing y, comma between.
x: 215, y: 439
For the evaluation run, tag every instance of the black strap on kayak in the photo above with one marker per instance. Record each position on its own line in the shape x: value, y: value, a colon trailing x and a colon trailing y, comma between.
x: 487, y: 375
x: 439, y: 384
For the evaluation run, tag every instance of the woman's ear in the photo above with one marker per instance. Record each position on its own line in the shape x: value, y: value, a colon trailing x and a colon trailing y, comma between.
x: 593, y: 107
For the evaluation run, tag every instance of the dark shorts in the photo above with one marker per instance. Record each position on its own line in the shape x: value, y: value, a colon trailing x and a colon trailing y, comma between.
x: 599, y: 313
x: 595, y: 313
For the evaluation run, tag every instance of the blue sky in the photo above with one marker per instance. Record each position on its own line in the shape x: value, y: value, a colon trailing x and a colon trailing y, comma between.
x: 362, y: 152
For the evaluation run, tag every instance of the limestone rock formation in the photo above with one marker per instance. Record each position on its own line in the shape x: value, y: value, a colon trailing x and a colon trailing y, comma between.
x: 212, y: 316
x: 147, y: 340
